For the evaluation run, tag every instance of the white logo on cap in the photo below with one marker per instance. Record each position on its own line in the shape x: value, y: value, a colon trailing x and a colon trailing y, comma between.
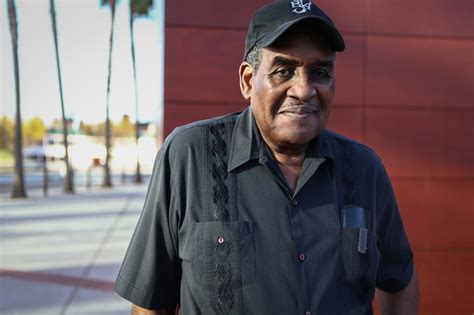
x: 300, y: 7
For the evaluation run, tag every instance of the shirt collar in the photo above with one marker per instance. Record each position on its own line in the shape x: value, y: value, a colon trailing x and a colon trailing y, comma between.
x: 246, y: 143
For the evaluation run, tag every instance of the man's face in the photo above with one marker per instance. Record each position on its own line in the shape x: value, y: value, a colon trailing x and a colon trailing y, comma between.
x: 292, y: 91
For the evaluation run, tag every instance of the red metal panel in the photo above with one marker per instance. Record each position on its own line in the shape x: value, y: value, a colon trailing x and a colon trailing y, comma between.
x: 348, y: 15
x: 414, y: 72
x: 199, y: 71
x: 347, y: 121
x: 418, y: 117
x: 178, y: 114
x: 203, y: 64
x: 437, y: 214
x: 212, y: 13
x: 350, y: 72
x: 423, y: 143
x: 423, y: 17
x: 446, y: 281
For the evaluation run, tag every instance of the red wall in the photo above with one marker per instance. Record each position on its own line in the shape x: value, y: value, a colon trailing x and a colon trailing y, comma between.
x: 404, y: 87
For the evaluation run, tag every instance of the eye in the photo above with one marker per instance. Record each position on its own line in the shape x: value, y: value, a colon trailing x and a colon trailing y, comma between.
x: 283, y: 73
x: 321, y: 75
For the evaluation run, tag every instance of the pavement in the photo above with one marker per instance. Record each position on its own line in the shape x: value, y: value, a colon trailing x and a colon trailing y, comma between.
x: 61, y: 254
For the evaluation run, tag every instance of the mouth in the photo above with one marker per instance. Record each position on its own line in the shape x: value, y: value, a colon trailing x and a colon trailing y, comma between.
x: 300, y: 111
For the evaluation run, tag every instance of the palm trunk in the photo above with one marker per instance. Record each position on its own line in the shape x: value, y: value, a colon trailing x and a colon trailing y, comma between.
x: 68, y: 185
x: 138, y: 175
x: 18, y: 187
x: 107, y: 180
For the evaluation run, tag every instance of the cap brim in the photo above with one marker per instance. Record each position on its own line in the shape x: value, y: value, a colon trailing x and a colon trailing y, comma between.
x: 328, y: 30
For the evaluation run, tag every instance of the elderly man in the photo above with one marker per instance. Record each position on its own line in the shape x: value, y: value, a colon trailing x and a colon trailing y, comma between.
x: 266, y: 211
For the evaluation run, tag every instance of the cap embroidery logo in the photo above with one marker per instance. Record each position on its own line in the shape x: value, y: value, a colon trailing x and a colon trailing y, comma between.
x: 300, y: 7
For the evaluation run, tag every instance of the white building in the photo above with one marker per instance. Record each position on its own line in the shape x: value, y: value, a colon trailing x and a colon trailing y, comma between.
x: 84, y: 149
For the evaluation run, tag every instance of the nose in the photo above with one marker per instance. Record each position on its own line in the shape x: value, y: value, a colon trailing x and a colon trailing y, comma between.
x: 302, y: 88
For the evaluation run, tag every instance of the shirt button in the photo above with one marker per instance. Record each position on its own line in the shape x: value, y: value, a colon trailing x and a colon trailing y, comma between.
x: 294, y: 202
x: 302, y: 257
x: 220, y: 240
x: 307, y: 313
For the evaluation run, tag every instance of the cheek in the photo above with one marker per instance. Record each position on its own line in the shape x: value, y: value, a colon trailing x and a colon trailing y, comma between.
x: 269, y: 101
x: 326, y: 95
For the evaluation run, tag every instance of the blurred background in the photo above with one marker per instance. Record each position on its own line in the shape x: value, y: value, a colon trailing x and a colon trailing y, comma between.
x: 405, y: 86
x: 89, y: 90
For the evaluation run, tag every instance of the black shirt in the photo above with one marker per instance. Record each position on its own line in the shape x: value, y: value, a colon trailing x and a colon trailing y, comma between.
x: 221, y: 232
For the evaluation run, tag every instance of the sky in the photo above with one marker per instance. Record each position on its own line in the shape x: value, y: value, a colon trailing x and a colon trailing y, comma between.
x: 83, y: 36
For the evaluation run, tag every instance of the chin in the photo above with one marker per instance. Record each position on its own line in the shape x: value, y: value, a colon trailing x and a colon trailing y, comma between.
x: 301, y: 138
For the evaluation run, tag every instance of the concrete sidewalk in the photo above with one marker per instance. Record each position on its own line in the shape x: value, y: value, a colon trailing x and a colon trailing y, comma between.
x: 61, y: 254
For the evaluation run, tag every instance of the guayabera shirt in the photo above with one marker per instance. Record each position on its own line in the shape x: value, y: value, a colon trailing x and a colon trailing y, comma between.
x: 221, y: 232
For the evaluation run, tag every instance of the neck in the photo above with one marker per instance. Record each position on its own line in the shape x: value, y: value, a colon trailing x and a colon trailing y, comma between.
x: 290, y: 165
x: 291, y: 160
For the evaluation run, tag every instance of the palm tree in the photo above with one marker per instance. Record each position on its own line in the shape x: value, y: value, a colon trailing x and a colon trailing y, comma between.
x: 18, y: 188
x: 107, y: 180
x: 68, y: 181
x: 137, y: 8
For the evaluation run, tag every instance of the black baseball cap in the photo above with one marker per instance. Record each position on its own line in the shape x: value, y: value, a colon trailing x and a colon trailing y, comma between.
x: 274, y: 19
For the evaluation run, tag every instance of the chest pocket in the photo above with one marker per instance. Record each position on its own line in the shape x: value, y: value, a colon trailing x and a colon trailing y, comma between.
x: 223, y: 259
x: 360, y: 267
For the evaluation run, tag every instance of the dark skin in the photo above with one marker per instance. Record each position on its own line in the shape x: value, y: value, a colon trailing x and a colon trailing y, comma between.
x: 291, y: 96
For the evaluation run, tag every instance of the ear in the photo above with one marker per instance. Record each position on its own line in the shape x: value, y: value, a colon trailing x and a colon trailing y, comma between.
x: 246, y: 73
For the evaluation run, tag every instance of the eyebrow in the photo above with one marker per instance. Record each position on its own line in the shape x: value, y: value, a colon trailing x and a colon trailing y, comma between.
x: 281, y: 60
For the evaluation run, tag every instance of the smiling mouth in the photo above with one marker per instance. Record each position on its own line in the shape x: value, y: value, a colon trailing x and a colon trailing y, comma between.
x: 299, y: 111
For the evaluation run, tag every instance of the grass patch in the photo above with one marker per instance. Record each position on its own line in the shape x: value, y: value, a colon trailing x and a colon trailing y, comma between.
x: 6, y: 156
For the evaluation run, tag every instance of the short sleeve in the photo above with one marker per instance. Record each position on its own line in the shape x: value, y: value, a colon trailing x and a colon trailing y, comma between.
x: 396, y: 258
x: 150, y: 273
